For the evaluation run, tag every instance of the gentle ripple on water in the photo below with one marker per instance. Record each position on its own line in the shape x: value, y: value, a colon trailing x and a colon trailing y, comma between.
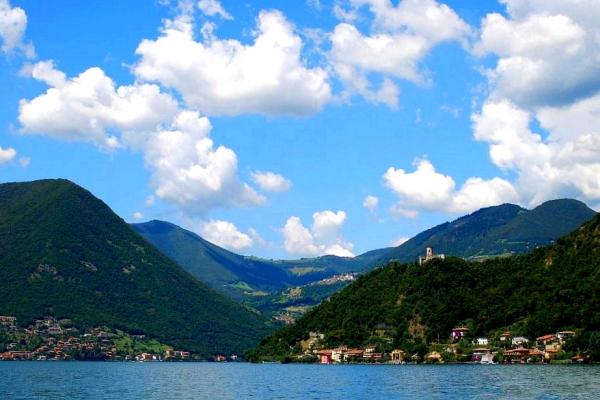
x: 88, y: 380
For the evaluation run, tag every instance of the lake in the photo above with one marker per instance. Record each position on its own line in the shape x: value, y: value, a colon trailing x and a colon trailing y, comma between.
x: 89, y: 380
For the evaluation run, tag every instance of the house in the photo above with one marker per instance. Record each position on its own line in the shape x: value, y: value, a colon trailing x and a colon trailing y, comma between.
x: 459, y: 333
x: 481, y: 341
x: 519, y: 353
x: 6, y: 320
x: 505, y: 336
x: 433, y: 357
x: 398, y: 356
x: 220, y: 358
x: 519, y: 341
x: 480, y: 353
x: 564, y: 335
x: 550, y: 342
x: 353, y: 354
x: 325, y: 356
x: 430, y: 256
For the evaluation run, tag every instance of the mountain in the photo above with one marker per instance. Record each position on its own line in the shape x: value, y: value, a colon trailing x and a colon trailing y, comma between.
x: 64, y: 253
x: 241, y: 276
x: 265, y: 284
x: 405, y: 305
x: 223, y: 270
x: 498, y: 230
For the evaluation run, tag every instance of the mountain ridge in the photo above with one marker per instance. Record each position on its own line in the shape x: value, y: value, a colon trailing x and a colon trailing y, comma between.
x: 64, y: 252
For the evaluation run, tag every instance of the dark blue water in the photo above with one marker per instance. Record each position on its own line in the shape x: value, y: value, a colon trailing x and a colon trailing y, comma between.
x: 80, y: 380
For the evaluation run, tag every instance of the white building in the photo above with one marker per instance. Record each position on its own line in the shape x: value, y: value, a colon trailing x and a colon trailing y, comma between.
x: 430, y: 256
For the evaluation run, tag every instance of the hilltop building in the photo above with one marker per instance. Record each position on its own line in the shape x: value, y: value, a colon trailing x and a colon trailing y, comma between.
x: 430, y: 256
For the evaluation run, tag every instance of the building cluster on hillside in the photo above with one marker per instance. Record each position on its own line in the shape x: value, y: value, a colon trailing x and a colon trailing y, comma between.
x: 506, y: 348
x: 58, y: 339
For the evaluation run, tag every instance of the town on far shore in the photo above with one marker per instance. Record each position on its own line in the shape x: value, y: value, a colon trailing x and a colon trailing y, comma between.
x: 58, y: 339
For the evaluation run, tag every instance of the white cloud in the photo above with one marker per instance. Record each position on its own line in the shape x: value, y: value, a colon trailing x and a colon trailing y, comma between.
x: 563, y: 164
x: 213, y: 8
x: 187, y: 169
x: 547, y: 51
x: 137, y: 216
x: 371, y: 203
x: 427, y: 189
x: 399, y: 241
x: 150, y: 200
x: 89, y: 106
x: 271, y: 182
x: 401, y: 37
x: 13, y: 23
x: 7, y: 154
x: 227, y: 235
x: 227, y: 77
x: 324, y: 236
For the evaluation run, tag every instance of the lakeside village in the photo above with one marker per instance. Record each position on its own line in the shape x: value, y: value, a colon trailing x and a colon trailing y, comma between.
x: 58, y: 339
x: 502, y: 348
x: 505, y: 348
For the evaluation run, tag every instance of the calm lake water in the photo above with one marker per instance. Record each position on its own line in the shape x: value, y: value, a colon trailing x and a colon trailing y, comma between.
x: 88, y: 380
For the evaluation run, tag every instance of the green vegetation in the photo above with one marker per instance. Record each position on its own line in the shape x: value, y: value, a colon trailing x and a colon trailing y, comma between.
x: 409, y: 306
x: 498, y: 230
x: 64, y: 253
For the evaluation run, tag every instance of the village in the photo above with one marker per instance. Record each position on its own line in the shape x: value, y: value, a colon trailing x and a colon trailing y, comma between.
x: 504, y: 348
x: 58, y: 339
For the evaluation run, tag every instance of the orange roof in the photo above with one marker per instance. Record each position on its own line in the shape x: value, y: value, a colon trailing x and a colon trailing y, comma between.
x: 461, y: 328
x: 566, y: 333
x: 507, y: 333
x: 545, y: 338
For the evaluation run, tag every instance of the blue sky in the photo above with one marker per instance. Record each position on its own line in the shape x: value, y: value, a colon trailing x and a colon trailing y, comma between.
x: 288, y: 129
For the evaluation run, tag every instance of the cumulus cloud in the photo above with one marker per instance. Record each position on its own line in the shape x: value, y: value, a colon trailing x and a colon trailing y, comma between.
x: 137, y: 216
x: 187, y: 169
x: 271, y: 182
x: 7, y: 154
x: 547, y: 51
x: 540, y: 119
x: 401, y: 37
x: 227, y: 235
x: 427, y: 189
x: 89, y: 106
x: 213, y: 8
x: 323, y: 237
x: 13, y: 23
x: 565, y: 163
x: 227, y: 77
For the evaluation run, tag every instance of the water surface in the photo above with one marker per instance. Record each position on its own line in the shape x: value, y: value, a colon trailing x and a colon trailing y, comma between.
x: 105, y: 380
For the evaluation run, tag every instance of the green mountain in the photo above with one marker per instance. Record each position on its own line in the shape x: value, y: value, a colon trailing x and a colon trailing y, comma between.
x: 406, y: 305
x: 241, y: 276
x: 289, y: 287
x: 223, y: 270
x: 64, y: 253
x: 498, y: 230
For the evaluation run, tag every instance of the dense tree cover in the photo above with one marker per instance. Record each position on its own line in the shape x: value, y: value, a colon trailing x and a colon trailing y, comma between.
x: 551, y: 289
x: 64, y: 253
x: 497, y: 230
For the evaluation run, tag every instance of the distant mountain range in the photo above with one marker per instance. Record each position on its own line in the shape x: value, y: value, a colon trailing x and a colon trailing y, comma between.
x: 64, y: 253
x: 492, y: 231
x: 498, y: 230
x: 405, y: 305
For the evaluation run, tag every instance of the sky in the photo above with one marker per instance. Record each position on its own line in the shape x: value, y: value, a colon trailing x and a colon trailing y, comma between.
x: 296, y: 129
